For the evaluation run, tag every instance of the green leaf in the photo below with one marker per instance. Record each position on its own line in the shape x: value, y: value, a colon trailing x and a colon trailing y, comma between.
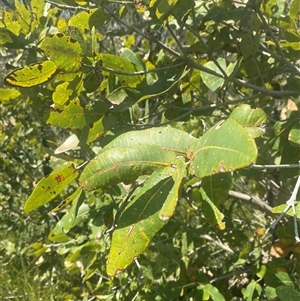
x: 225, y: 147
x: 49, y: 187
x: 64, y: 51
x: 124, y: 164
x: 287, y: 293
x: 250, y: 290
x: 168, y: 138
x: 217, y: 187
x: 68, y: 90
x: 211, y: 81
x: 213, y: 292
x: 8, y: 94
x: 68, y: 220
x: 133, y: 58
x: 253, y: 120
x: 99, y: 127
x: 279, y: 209
x: 164, y: 7
x: 139, y: 223
x: 294, y: 135
x: 92, y: 80
x: 178, y: 173
x: 210, y: 211
x: 75, y: 116
x: 164, y: 83
x: 250, y: 44
x: 118, y: 63
x: 31, y: 75
x: 87, y: 19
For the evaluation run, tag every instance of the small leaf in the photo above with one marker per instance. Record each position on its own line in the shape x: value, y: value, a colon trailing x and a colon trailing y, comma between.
x: 250, y: 44
x: 9, y: 94
x: 133, y: 58
x: 68, y: 144
x: 92, y: 80
x: 69, y: 89
x: 87, y: 19
x: 217, y: 187
x: 124, y: 164
x: 211, y: 212
x: 294, y: 135
x: 139, y: 223
x: 211, y: 81
x: 64, y: 51
x: 164, y: 7
x: 279, y: 209
x: 213, y: 292
x: 75, y: 116
x: 118, y: 63
x: 178, y: 173
x: 250, y: 290
x: 165, y: 82
x: 49, y: 187
x: 253, y: 120
x: 31, y: 75
x: 225, y: 147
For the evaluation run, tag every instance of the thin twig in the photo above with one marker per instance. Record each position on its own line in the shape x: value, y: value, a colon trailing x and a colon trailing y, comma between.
x: 64, y: 6
x: 218, y: 243
x: 147, y: 36
x: 290, y: 203
x: 283, y: 58
x: 137, y: 73
x: 281, y: 166
x: 274, y: 93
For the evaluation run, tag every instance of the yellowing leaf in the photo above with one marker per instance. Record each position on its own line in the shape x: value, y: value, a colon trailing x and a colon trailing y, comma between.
x: 31, y: 75
x: 63, y: 51
x: 50, y: 186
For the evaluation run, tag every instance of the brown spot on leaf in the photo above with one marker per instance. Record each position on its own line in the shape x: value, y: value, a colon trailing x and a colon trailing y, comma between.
x: 59, y: 35
x: 59, y: 178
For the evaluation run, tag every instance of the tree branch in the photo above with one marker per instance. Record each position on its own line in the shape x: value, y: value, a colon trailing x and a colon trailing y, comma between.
x: 253, y: 200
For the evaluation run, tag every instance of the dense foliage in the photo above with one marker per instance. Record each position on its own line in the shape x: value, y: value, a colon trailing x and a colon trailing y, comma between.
x: 146, y: 146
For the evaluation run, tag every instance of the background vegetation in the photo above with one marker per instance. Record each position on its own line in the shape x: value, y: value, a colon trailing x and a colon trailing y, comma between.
x: 95, y: 70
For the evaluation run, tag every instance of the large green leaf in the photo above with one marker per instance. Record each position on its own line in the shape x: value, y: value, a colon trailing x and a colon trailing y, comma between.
x: 168, y: 138
x: 64, y: 51
x: 225, y: 147
x: 31, y: 75
x: 49, y: 187
x: 124, y: 164
x: 139, y: 223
